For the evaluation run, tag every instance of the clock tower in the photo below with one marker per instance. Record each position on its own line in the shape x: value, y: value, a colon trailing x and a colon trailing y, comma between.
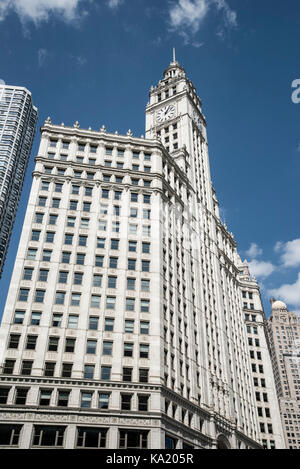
x: 174, y: 116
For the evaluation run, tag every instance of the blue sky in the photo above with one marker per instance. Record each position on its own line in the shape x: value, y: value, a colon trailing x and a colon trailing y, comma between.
x: 95, y: 60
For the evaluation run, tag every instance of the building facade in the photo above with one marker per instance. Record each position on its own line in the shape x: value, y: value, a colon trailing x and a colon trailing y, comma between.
x: 283, y: 331
x: 267, y: 405
x: 124, y: 324
x: 17, y: 129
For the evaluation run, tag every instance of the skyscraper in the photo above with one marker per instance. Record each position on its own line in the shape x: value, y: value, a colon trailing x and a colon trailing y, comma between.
x: 283, y: 329
x: 17, y: 128
x: 268, y: 411
x: 124, y: 324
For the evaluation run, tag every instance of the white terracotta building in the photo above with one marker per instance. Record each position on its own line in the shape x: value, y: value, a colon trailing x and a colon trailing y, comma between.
x: 124, y: 324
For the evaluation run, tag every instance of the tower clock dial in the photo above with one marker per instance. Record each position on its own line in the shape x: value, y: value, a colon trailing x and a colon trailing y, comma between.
x: 166, y: 113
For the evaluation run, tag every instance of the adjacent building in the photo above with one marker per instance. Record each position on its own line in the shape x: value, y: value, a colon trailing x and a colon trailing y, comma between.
x: 283, y: 331
x: 17, y: 129
x: 124, y: 324
x: 268, y: 412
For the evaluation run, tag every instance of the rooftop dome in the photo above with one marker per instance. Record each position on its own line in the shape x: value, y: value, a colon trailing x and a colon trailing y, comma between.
x: 279, y: 305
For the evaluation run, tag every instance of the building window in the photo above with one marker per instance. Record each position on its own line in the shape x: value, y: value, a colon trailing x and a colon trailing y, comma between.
x: 126, y: 401
x: 14, y: 341
x: 43, y: 275
x: 9, y: 435
x: 70, y: 345
x: 144, y: 351
x: 103, y: 402
x: 26, y: 367
x: 143, y: 403
x: 109, y: 325
x: 143, y: 375
x: 128, y: 350
x: 19, y: 317
x: 80, y: 259
x: 144, y: 327
x: 99, y: 261
x: 132, y: 246
x: 56, y: 320
x: 23, y: 295
x: 48, y: 436
x: 131, y: 264
x: 129, y: 326
x: 53, y: 344
x: 107, y: 348
x: 145, y: 266
x: 133, y: 439
x: 31, y: 342
x: 75, y: 299
x: 89, y: 371
x: 105, y: 373
x: 63, y: 398
x: 8, y: 367
x: 49, y: 369
x: 35, y: 319
x: 35, y: 235
x: 145, y: 285
x: 60, y: 298
x: 145, y: 306
x: 4, y: 395
x: 91, y: 437
x: 131, y: 284
x: 72, y: 322
x: 110, y: 302
x: 21, y: 396
x: 93, y: 323
x: 97, y: 280
x: 115, y: 244
x: 91, y: 347
x: 39, y: 296
x: 67, y: 370
x: 45, y: 398
x: 112, y: 282
x: 127, y: 374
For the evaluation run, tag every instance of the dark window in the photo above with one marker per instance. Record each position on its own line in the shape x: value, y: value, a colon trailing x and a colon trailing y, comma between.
x: 49, y: 369
x: 91, y: 437
x: 14, y: 341
x: 26, y: 367
x: 143, y: 375
x: 126, y: 401
x: 4, y: 395
x: 21, y: 396
x: 48, y: 435
x: 127, y: 374
x: 31, y: 342
x: 63, y: 398
x: 8, y: 367
x: 67, y: 370
x: 143, y: 403
x: 133, y: 439
x: 9, y: 435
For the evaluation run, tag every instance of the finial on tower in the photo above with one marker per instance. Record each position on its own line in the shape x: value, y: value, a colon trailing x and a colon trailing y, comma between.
x: 174, y: 55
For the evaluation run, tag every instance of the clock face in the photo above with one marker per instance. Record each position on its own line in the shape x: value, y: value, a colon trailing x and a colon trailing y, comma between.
x: 165, y: 113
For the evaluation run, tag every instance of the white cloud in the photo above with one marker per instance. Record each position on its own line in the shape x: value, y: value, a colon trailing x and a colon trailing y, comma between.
x: 40, y: 10
x: 188, y: 15
x: 254, y: 251
x: 42, y: 55
x: 260, y: 268
x: 290, y: 256
x: 288, y: 293
x: 114, y: 3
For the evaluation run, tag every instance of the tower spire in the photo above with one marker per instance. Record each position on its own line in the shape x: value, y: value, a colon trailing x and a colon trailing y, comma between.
x: 174, y: 55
